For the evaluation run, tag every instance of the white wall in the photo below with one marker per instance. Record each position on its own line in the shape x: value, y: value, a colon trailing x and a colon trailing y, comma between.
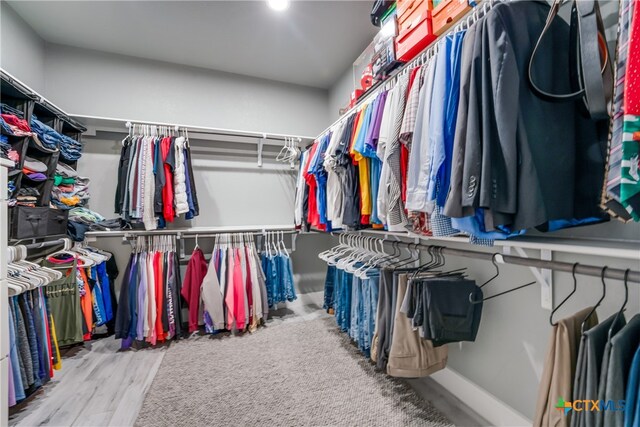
x: 22, y: 51
x: 88, y: 82
x: 339, y: 94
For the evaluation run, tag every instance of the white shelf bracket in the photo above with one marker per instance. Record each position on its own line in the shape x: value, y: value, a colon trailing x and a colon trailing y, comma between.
x: 544, y: 276
x: 294, y: 237
x: 180, y: 245
x: 260, y: 146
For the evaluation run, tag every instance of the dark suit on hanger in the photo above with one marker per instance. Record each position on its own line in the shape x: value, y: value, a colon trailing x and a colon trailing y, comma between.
x: 527, y: 160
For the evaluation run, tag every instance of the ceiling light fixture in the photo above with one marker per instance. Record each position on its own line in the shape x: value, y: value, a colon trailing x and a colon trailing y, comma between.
x: 278, y: 5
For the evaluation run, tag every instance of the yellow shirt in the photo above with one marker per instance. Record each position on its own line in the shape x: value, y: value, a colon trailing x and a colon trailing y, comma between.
x: 364, y: 175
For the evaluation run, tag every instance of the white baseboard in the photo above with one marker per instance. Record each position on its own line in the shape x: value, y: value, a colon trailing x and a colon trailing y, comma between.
x: 488, y: 406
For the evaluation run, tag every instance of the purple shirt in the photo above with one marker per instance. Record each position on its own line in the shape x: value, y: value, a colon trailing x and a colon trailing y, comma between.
x: 376, y: 121
x: 142, y: 291
x: 368, y: 139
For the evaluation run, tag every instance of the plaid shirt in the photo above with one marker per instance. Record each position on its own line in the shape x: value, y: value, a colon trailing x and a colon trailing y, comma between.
x: 411, y: 109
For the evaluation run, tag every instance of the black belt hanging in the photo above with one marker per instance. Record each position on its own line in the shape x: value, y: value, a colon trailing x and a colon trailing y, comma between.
x: 590, y: 67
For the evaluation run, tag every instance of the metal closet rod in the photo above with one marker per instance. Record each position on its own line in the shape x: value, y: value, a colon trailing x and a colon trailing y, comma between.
x: 253, y: 233
x: 218, y: 132
x: 187, y: 234
x: 583, y: 269
x: 46, y: 244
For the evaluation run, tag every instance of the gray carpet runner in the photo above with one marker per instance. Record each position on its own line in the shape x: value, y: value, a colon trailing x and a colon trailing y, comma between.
x: 291, y: 374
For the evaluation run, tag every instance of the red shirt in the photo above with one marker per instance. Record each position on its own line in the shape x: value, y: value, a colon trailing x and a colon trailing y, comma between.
x: 167, y: 191
x: 196, y: 270
x: 313, y: 216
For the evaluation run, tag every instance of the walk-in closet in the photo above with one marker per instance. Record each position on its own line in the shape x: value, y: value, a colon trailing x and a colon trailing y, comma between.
x: 320, y: 213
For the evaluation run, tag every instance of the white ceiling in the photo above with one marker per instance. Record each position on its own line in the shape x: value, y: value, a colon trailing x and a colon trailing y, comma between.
x: 312, y: 43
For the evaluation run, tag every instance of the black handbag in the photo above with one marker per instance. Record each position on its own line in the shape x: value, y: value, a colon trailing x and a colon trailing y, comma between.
x: 590, y: 68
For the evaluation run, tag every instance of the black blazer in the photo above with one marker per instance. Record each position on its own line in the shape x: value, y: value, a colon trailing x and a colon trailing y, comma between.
x: 526, y: 160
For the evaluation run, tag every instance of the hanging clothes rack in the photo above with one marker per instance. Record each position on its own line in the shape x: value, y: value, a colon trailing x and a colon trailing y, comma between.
x: 582, y: 269
x: 201, y: 231
x: 114, y: 124
x: 472, y: 16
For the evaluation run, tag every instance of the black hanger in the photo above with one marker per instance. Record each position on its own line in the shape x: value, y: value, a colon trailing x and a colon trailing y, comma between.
x: 429, y: 264
x: 389, y: 256
x: 495, y: 264
x: 432, y: 259
x: 409, y: 259
x: 575, y: 288
x: 493, y: 260
x: 624, y: 304
x: 604, y: 293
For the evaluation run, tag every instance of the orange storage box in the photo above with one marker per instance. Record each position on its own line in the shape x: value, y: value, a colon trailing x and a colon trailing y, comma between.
x: 417, y: 15
x: 447, y: 13
x: 414, y: 41
x: 405, y: 8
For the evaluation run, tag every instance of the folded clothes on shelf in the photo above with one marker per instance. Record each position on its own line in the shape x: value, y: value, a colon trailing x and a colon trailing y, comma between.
x: 70, y: 149
x: 35, y: 142
x: 7, y: 109
x: 14, y: 125
x: 34, y: 176
x: 33, y: 165
x: 68, y: 193
x: 7, y: 151
x: 47, y: 135
x: 66, y: 171
x: 28, y: 191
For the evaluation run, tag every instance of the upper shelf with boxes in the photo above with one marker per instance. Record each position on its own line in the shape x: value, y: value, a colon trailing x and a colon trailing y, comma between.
x: 407, y: 27
x: 45, y: 145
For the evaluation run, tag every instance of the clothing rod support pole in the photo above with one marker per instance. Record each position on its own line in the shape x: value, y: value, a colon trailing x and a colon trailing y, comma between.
x: 582, y: 269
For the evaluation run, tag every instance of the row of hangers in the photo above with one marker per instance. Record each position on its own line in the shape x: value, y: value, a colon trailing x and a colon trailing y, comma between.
x: 159, y: 243
x: 156, y: 130
x: 604, y: 293
x: 232, y: 240
x: 23, y: 275
x: 290, y: 152
x: 370, y: 253
x: 274, y: 244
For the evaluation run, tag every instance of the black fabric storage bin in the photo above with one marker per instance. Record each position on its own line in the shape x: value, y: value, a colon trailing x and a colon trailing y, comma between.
x: 57, y: 221
x: 28, y: 222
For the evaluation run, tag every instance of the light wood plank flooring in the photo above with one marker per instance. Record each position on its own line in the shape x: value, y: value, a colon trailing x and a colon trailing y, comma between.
x: 98, y: 386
